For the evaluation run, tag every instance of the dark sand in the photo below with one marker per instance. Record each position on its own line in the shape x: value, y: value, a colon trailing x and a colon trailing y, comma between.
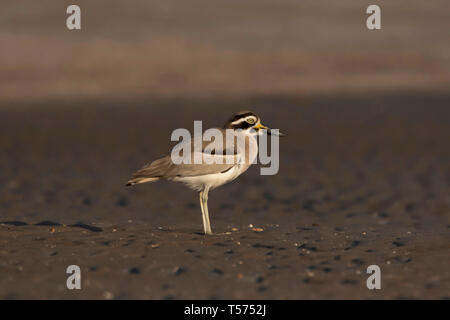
x: 363, y: 180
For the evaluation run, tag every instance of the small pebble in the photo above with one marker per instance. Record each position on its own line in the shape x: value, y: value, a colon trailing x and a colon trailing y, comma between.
x: 134, y: 271
x: 258, y: 279
x: 178, y: 270
x: 217, y: 271
x: 108, y: 295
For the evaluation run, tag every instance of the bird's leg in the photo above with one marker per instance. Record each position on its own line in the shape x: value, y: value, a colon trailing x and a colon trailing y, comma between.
x: 203, y: 210
x: 205, y: 214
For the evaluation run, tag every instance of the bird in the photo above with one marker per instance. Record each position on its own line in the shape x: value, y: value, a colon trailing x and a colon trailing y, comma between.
x: 227, y: 159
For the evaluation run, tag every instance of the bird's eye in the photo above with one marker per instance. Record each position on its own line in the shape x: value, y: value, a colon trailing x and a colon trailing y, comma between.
x: 251, y: 120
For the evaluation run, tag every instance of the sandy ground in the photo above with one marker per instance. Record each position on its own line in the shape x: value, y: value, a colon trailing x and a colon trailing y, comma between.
x: 363, y: 180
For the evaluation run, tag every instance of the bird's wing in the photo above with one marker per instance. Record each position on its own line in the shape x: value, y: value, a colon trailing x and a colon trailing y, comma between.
x: 213, y: 156
x: 165, y: 168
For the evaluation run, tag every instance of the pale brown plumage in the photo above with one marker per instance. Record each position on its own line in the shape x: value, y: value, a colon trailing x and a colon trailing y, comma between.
x: 164, y: 168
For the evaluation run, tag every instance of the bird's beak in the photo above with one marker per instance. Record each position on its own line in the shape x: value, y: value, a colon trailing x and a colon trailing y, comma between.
x: 261, y: 126
x: 269, y: 131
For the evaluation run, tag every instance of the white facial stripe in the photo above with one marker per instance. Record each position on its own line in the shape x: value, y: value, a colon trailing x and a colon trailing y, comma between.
x: 244, y: 120
x: 239, y: 121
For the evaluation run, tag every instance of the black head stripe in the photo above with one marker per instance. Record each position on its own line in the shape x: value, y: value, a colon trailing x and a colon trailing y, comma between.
x: 242, y: 124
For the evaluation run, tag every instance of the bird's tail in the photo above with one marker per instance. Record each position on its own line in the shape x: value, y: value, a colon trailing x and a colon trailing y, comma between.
x: 140, y: 180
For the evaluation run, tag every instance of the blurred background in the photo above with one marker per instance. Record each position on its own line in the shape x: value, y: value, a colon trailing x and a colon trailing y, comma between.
x: 207, y: 48
x: 364, y: 172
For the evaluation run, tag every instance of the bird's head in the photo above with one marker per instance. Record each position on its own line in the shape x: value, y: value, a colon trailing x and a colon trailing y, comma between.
x: 246, y: 121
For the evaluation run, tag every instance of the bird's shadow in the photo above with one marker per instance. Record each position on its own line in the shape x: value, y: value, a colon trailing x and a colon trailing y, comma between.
x: 48, y: 223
